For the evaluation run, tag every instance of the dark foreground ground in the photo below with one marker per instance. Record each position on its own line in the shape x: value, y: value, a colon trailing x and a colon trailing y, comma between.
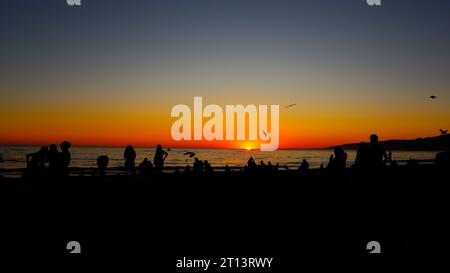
x: 288, y: 216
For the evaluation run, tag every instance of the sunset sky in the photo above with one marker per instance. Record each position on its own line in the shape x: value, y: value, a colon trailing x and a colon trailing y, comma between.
x: 108, y: 73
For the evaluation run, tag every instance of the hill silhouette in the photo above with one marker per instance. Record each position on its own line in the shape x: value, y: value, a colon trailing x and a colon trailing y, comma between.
x: 436, y: 143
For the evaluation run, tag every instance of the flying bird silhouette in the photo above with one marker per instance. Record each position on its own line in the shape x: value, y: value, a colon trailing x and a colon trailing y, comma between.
x: 443, y: 132
x: 190, y: 154
x: 290, y: 105
x: 264, y: 133
x: 433, y: 97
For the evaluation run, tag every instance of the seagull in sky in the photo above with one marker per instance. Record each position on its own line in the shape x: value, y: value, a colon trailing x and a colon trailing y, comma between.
x: 264, y: 133
x: 443, y: 132
x: 290, y: 105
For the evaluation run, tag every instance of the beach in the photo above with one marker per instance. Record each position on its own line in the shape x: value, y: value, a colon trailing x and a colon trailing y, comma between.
x: 84, y: 158
x: 288, y: 213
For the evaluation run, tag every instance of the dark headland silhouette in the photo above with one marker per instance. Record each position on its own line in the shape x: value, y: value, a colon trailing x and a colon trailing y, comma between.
x: 436, y: 143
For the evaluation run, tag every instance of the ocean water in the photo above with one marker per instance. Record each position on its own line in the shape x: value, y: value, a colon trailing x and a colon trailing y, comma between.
x: 86, y: 157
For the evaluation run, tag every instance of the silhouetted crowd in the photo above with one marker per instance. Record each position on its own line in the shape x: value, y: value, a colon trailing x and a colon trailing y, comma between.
x: 49, y: 161
x: 145, y: 168
x: 58, y: 162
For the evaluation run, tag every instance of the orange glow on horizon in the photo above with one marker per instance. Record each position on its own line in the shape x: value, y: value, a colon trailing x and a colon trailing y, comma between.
x: 147, y: 127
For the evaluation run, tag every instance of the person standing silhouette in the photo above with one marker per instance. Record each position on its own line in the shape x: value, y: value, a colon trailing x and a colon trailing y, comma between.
x: 158, y: 160
x: 208, y: 168
x: 54, y: 161
x: 377, y: 153
x: 66, y: 157
x: 130, y: 156
x: 251, y: 164
x: 362, y: 156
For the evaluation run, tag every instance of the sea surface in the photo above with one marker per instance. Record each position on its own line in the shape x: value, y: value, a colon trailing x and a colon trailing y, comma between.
x: 85, y: 157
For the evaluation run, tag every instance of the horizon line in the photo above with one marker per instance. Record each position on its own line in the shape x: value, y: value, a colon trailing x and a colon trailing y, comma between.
x: 211, y: 148
x: 167, y: 147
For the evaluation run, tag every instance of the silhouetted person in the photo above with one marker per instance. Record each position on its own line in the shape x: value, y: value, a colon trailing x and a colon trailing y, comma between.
x: 146, y: 167
x: 130, y: 156
x: 269, y: 166
x: 158, y: 160
x: 36, y: 161
x: 1, y: 161
x: 330, y: 164
x: 208, y: 168
x: 66, y: 157
x: 251, y: 164
x: 362, y: 156
x: 442, y: 159
x: 339, y: 160
x: 377, y: 153
x: 55, y: 163
x: 198, y: 166
x: 304, y: 166
x: 102, y: 164
x: 261, y: 164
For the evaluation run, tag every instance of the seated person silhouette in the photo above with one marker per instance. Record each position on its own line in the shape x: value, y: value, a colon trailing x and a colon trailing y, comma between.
x: 102, y: 164
x: 130, y: 156
x: 208, y: 168
x: 187, y: 170
x: 338, y: 161
x: 158, y: 160
x: 146, y: 167
x: 198, y: 166
x: 304, y: 166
